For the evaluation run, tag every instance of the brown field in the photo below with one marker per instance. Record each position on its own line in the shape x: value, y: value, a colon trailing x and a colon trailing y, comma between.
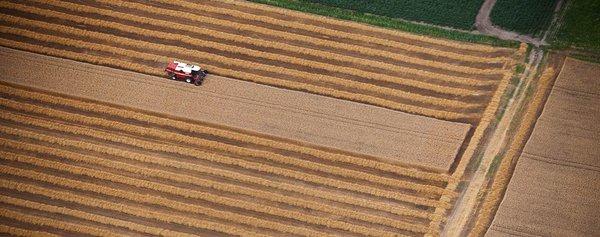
x: 554, y: 188
x: 298, y: 116
x: 105, y: 168
x: 415, y: 74
x: 382, y: 156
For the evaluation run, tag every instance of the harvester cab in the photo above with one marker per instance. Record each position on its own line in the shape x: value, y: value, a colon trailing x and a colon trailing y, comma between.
x: 186, y: 72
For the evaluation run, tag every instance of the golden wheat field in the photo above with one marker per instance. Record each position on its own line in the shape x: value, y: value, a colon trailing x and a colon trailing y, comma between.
x: 72, y: 166
x: 415, y: 74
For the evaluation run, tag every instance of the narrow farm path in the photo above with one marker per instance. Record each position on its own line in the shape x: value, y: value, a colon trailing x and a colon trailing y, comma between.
x: 485, y: 26
x: 465, y: 207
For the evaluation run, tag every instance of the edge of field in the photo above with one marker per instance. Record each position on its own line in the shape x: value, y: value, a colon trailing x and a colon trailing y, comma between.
x: 389, y: 23
x: 493, y: 193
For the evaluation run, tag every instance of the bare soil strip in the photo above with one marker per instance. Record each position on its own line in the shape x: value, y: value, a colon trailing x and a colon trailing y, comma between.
x: 298, y: 116
x: 553, y: 190
x: 105, y: 170
x: 418, y: 75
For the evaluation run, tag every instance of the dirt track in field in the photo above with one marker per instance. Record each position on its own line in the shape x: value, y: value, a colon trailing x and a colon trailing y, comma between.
x: 83, y: 167
x: 415, y: 74
x: 553, y: 190
x: 298, y: 116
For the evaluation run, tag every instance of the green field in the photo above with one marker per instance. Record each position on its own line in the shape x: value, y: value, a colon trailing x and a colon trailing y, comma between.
x: 531, y: 17
x: 388, y: 22
x: 579, y: 26
x: 458, y: 14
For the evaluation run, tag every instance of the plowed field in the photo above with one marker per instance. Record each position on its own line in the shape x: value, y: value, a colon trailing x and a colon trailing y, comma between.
x: 79, y: 167
x: 405, y: 72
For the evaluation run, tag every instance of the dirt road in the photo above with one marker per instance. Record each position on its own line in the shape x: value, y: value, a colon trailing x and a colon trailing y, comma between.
x: 304, y: 117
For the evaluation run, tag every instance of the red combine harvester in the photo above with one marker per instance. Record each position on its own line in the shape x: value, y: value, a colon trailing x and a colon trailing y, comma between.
x: 186, y: 72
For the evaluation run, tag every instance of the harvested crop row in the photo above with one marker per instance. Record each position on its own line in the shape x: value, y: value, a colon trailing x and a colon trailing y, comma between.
x: 87, y: 216
x: 50, y: 222
x: 270, y: 44
x: 174, y: 191
x: 237, y: 50
x: 236, y: 74
x: 153, y: 146
x: 373, y: 204
x: 206, y: 57
x: 191, y: 127
x: 142, y: 198
x: 16, y: 231
x: 99, y: 203
x: 329, y: 32
x: 275, y: 197
x: 198, y: 142
x: 399, y: 34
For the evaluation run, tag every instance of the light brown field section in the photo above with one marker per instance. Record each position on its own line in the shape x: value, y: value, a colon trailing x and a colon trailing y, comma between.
x: 399, y: 71
x: 554, y: 189
x: 74, y: 166
x: 318, y: 120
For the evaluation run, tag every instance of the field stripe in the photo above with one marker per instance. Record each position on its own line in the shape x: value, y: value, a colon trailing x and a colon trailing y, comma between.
x: 142, y: 46
x: 142, y: 198
x: 99, y: 203
x: 373, y: 204
x: 89, y: 216
x: 290, y: 61
x: 236, y: 74
x: 265, y: 43
x: 49, y: 222
x: 329, y: 32
x: 177, y: 191
x: 207, y: 129
x: 362, y: 26
x: 77, y: 130
x: 237, y: 189
x: 195, y: 141
x: 16, y: 231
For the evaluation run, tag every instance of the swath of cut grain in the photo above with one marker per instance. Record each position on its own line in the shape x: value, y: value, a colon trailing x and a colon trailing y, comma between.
x: 207, y: 57
x: 215, y: 131
x: 438, y: 102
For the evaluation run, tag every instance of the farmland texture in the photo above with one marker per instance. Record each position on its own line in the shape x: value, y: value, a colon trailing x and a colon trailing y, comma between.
x: 415, y: 74
x: 71, y: 166
x: 578, y: 26
x: 553, y: 190
x: 298, y: 116
x: 530, y: 17
x: 457, y: 14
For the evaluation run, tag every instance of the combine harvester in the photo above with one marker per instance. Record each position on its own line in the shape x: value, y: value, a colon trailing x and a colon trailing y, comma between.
x: 186, y: 72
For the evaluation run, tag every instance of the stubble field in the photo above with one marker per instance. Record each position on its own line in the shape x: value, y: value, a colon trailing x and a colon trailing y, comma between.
x: 78, y: 167
x: 415, y: 74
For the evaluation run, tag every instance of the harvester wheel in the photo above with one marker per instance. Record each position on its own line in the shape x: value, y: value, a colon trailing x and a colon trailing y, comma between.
x: 188, y: 80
